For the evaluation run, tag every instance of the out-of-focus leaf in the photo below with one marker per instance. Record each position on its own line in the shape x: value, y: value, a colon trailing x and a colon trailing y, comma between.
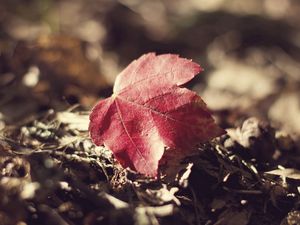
x: 286, y: 173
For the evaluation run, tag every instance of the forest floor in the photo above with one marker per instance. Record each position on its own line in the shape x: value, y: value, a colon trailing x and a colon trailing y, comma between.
x: 51, y: 76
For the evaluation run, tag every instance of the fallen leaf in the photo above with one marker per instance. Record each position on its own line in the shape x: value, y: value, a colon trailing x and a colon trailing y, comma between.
x: 289, y: 119
x: 75, y: 121
x: 292, y: 218
x: 286, y: 173
x: 63, y: 58
x: 149, y: 111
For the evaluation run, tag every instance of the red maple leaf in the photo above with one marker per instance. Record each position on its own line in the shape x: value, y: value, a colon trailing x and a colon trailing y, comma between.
x: 149, y: 111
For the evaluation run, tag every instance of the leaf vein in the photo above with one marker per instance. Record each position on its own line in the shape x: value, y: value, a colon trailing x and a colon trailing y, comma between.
x: 129, y: 136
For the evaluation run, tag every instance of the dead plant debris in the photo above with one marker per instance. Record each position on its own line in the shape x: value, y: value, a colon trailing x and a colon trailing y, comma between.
x: 55, y: 174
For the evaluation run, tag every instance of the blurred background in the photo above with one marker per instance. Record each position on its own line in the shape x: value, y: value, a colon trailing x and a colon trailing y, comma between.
x: 55, y: 54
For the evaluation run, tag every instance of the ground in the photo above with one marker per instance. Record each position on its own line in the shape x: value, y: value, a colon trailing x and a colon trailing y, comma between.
x: 58, y: 58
